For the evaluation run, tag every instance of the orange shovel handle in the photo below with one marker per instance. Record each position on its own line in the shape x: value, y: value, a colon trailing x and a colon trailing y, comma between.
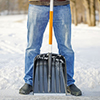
x: 50, y: 27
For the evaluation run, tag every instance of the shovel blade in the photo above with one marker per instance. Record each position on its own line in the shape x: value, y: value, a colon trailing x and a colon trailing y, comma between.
x: 58, y: 81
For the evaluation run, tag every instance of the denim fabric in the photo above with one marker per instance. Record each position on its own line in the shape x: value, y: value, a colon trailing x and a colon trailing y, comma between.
x: 38, y: 17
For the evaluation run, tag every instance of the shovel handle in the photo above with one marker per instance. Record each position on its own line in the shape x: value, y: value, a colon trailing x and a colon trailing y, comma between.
x: 50, y: 45
x: 50, y: 25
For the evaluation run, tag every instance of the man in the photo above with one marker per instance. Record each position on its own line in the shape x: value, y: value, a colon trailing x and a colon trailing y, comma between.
x: 38, y: 17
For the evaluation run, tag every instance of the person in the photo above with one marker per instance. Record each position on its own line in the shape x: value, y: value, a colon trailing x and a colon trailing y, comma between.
x: 38, y: 17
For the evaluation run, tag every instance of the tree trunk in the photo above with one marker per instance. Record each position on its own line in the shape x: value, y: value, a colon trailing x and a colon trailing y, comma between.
x: 99, y: 10
x: 84, y: 17
x: 93, y: 22
x: 8, y: 6
x: 72, y: 16
x: 87, y: 6
x: 74, y: 12
x: 99, y: 13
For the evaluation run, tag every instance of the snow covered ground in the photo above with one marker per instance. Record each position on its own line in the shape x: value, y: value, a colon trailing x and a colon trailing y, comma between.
x: 85, y: 42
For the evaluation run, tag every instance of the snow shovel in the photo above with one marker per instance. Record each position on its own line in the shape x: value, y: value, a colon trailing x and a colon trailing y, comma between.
x: 49, y: 70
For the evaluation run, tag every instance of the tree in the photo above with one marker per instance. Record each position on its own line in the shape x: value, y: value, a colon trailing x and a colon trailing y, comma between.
x: 74, y: 11
x: 93, y: 22
x: 22, y: 5
x: 90, y: 8
x: 86, y: 4
x: 99, y: 9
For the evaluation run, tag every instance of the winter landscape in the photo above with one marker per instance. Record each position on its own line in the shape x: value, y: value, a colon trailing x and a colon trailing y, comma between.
x: 86, y: 45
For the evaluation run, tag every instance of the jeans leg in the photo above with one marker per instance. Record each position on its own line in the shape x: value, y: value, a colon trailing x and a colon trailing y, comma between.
x: 62, y: 30
x: 36, y: 24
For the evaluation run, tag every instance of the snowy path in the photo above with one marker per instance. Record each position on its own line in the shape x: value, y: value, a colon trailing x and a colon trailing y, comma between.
x: 15, y: 96
x: 86, y: 44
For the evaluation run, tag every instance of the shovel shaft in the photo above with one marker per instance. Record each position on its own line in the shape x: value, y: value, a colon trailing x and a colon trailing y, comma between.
x: 50, y: 45
x: 50, y: 26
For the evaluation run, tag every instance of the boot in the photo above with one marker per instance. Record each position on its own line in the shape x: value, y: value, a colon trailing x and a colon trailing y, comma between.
x: 72, y: 89
x: 26, y: 89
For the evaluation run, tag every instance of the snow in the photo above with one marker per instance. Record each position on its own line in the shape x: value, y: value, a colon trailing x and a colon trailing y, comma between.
x: 86, y: 45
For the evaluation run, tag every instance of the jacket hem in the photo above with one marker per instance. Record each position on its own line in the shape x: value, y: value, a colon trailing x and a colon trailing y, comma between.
x: 56, y: 3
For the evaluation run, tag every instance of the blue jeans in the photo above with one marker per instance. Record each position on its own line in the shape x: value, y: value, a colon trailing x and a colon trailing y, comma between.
x: 38, y: 17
